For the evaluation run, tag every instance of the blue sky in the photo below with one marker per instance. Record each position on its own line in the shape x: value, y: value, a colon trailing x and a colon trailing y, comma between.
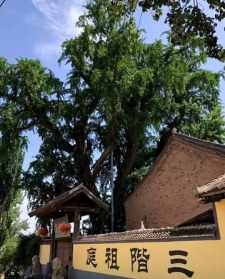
x: 37, y: 28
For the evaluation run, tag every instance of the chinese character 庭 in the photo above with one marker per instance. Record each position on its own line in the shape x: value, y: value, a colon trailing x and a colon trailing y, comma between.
x: 111, y: 258
x: 140, y: 257
x: 179, y: 260
x: 91, y: 257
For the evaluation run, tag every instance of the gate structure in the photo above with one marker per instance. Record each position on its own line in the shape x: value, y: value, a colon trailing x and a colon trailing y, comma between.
x: 196, y: 251
x: 175, y: 253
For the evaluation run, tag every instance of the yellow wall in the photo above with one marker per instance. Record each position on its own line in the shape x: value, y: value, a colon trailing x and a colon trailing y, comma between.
x: 206, y: 258
x: 45, y: 253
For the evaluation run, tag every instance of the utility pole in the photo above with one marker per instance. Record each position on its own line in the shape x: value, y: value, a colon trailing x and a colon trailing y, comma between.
x: 112, y: 192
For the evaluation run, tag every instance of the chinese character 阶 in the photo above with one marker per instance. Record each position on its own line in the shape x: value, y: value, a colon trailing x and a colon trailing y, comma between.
x: 141, y: 258
x: 91, y: 257
x: 179, y: 260
x: 111, y: 258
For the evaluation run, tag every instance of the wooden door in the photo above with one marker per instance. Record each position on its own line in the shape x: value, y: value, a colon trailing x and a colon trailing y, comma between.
x: 64, y: 250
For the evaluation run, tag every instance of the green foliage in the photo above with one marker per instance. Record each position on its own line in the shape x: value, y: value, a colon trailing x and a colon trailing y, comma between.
x: 12, y: 146
x: 11, y: 158
x: 121, y: 95
x: 27, y: 90
x: 12, y: 230
x: 27, y: 247
x: 19, y: 84
x: 187, y: 19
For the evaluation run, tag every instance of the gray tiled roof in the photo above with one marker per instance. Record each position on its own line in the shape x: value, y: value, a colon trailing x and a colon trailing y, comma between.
x: 181, y: 233
x: 212, y: 190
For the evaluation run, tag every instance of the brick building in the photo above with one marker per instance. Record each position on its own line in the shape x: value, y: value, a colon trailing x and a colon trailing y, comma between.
x: 167, y: 195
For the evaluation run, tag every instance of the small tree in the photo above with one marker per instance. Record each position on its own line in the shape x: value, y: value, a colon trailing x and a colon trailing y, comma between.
x: 12, y: 232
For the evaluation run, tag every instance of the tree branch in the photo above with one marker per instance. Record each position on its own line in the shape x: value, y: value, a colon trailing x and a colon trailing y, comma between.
x: 97, y: 166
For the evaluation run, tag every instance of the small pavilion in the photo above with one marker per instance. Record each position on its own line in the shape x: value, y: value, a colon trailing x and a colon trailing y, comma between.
x: 68, y: 207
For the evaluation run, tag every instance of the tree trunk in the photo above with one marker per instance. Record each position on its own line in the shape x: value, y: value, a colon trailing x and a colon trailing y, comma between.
x: 119, y: 210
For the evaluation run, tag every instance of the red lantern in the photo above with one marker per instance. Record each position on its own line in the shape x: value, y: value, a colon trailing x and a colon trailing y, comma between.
x: 42, y: 232
x: 64, y: 228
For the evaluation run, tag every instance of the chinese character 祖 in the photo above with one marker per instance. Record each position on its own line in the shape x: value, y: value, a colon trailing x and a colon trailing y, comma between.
x: 140, y: 257
x: 91, y: 257
x: 111, y: 258
x: 179, y: 260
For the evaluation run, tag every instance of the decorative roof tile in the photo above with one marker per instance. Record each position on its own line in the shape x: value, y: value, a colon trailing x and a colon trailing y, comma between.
x: 213, y: 190
x: 171, y: 233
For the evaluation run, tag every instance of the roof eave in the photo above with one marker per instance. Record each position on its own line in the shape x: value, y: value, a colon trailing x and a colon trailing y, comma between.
x: 61, y: 199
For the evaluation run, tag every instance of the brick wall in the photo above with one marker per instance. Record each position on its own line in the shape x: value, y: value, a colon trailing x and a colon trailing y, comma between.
x: 166, y: 197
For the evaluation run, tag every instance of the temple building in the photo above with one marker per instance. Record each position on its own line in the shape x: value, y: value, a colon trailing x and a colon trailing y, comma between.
x: 179, y: 202
x: 167, y: 195
x: 172, y: 252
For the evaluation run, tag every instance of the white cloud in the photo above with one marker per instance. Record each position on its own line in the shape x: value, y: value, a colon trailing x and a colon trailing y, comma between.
x: 59, y: 17
x: 48, y: 49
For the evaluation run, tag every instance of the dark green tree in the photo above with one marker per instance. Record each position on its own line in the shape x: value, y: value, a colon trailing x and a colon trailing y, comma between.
x: 122, y: 95
x: 16, y: 80
x: 12, y: 146
x: 28, y: 246
x: 12, y: 231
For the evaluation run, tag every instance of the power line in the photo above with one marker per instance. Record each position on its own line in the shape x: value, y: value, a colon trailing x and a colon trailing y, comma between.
x: 2, y: 3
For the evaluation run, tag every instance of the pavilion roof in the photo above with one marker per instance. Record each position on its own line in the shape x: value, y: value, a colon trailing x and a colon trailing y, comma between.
x: 77, y: 198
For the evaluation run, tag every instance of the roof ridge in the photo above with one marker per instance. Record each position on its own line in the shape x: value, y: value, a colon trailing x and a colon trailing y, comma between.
x: 200, y: 142
x: 215, y: 147
x: 67, y: 195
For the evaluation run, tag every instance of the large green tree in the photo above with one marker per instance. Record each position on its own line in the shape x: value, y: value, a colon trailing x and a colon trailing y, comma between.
x: 16, y: 80
x: 121, y: 95
x: 12, y: 147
